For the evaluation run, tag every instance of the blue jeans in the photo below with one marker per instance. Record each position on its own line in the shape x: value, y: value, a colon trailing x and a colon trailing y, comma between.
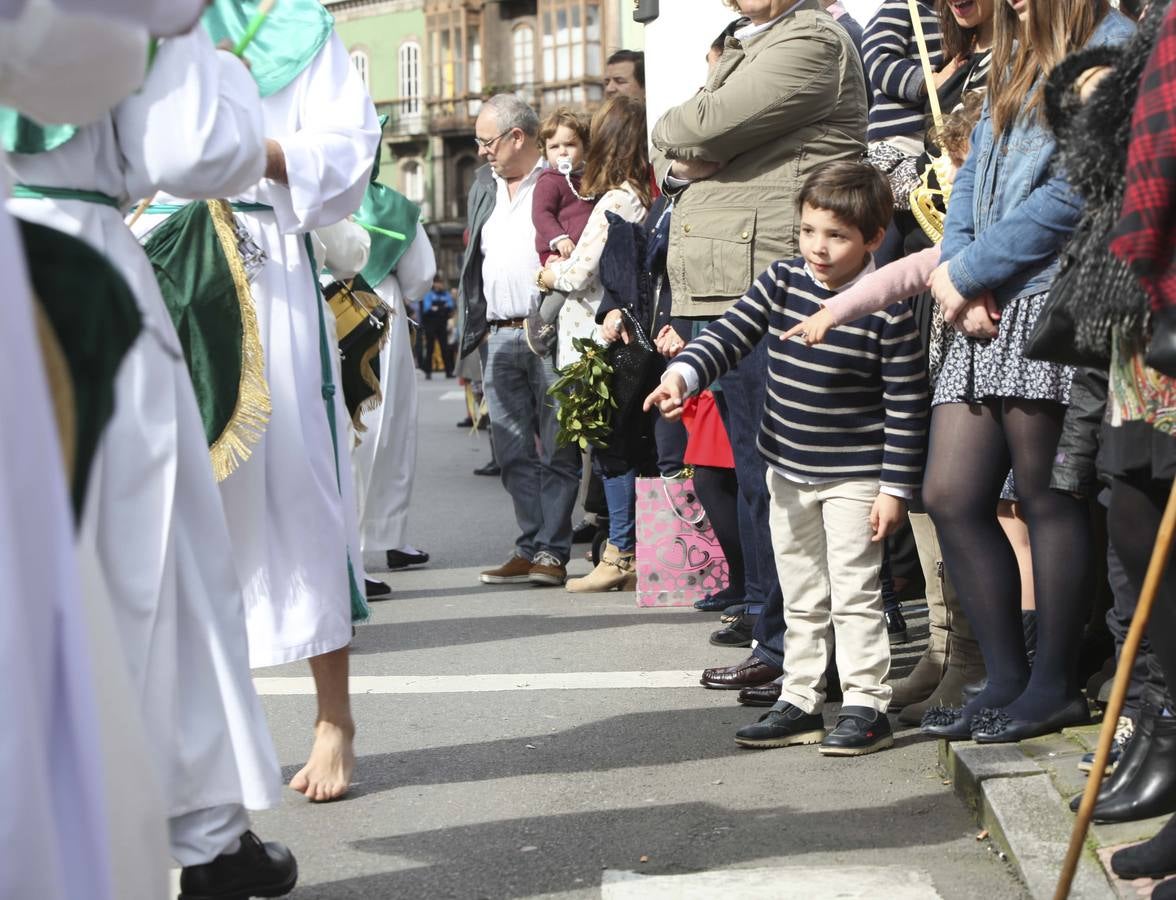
x: 620, y: 492
x: 744, y: 391
x: 542, y: 482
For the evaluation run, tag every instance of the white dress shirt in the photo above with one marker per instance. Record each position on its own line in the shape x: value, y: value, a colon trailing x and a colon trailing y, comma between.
x: 509, y: 260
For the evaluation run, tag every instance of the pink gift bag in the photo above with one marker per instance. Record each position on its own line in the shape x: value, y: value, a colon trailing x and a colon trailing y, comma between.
x: 679, y: 560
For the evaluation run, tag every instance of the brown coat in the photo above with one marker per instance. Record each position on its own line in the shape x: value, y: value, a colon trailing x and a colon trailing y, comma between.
x: 773, y: 110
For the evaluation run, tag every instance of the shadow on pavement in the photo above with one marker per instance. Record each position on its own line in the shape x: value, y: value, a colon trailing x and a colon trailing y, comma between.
x: 546, y: 854
x: 486, y: 629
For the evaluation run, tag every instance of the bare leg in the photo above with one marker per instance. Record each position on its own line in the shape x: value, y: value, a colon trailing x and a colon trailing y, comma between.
x: 1017, y: 531
x: 327, y: 774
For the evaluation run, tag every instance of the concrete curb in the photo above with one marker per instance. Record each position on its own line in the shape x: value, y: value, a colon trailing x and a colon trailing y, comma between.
x: 1025, y: 815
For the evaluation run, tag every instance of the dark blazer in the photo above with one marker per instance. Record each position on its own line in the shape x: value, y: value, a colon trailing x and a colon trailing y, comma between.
x: 483, y: 196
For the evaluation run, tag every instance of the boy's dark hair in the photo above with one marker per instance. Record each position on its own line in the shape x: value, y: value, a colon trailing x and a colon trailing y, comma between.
x: 636, y: 57
x: 855, y: 192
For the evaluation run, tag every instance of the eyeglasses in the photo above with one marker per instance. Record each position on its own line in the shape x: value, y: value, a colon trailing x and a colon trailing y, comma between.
x: 486, y: 145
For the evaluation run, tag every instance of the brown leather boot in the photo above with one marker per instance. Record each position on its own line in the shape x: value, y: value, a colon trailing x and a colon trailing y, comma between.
x: 965, y: 665
x: 615, y: 571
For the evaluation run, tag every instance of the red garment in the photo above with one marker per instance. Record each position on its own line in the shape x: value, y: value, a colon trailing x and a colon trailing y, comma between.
x: 707, y: 444
x: 1145, y: 238
x: 556, y: 210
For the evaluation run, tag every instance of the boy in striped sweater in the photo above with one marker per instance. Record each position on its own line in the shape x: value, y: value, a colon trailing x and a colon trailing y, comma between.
x: 844, y: 434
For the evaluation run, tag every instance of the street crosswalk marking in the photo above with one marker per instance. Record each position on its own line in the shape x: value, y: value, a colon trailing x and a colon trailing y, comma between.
x: 466, y: 684
x: 773, y: 883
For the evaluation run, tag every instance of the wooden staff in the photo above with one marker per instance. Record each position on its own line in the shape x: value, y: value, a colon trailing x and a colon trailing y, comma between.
x: 263, y: 11
x: 1151, y: 587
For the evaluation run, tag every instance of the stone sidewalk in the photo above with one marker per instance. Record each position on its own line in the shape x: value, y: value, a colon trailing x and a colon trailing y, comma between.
x: 1020, y: 795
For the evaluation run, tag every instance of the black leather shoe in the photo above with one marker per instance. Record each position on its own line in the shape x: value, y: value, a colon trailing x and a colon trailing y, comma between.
x: 1154, y: 858
x: 400, y: 559
x: 896, y: 627
x: 995, y: 726
x: 760, y: 695
x: 255, y: 870
x: 737, y: 634
x: 749, y: 673
x: 1149, y: 788
x: 491, y: 469
x: 785, y: 727
x: 467, y: 422
x: 717, y: 603
x: 376, y: 590
x: 947, y: 722
x: 860, y: 730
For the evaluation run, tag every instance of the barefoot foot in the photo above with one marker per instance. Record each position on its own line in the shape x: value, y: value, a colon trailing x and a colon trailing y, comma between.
x: 327, y: 774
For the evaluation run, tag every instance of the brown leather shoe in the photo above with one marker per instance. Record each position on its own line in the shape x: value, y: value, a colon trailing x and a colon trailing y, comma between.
x: 761, y: 694
x: 516, y: 570
x: 749, y: 673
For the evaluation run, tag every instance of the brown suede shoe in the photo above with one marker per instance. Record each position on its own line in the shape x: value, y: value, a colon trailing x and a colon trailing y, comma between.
x: 546, y: 570
x: 749, y: 673
x: 516, y: 570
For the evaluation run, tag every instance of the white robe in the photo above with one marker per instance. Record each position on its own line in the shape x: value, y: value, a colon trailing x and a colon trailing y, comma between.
x: 385, y: 460
x: 290, y: 504
x: 153, y: 528
x: 79, y: 817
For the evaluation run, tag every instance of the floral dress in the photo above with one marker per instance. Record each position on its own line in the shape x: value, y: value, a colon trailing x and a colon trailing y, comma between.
x: 579, y: 275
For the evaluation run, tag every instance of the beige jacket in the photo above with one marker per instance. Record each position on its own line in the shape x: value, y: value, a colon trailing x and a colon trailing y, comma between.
x: 774, y: 109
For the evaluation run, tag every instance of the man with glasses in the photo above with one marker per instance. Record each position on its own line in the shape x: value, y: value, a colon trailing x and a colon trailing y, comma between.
x: 498, y: 290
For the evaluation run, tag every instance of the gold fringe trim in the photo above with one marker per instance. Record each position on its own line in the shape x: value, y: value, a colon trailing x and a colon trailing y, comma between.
x: 61, y: 389
x: 251, y: 414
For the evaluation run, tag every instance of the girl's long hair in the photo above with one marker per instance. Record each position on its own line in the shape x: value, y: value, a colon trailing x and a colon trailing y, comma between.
x: 956, y: 40
x: 617, y: 151
x: 1022, y: 54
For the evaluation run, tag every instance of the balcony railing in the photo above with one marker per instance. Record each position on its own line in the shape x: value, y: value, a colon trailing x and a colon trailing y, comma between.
x: 406, y: 117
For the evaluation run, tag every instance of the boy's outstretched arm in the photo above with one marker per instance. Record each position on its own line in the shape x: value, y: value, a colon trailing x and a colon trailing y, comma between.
x: 668, y: 396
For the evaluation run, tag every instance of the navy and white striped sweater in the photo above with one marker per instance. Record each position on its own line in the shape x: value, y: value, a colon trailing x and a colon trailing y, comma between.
x: 895, y: 72
x: 855, y: 406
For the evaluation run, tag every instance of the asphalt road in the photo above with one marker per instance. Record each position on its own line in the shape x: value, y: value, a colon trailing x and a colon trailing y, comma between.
x: 568, y: 778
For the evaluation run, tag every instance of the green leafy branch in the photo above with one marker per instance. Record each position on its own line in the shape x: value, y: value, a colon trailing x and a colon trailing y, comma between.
x: 584, y: 397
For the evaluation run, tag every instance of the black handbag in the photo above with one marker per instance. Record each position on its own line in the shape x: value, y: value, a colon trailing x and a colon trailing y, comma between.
x: 637, y: 366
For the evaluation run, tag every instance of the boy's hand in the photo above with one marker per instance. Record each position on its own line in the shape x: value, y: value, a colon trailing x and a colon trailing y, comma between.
x: 565, y: 247
x: 667, y: 397
x: 886, y: 515
x: 813, y: 329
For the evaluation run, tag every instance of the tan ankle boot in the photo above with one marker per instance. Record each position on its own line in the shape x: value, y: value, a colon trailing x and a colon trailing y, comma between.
x: 615, y: 571
x: 926, y: 675
x: 965, y: 665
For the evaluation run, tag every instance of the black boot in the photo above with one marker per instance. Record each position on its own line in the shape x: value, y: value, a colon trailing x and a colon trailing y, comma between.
x: 1029, y: 629
x: 1130, y: 760
x: 1150, y: 789
x: 1155, y: 858
x: 255, y: 870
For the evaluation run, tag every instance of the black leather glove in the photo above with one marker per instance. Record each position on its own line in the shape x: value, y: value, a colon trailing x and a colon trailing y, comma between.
x: 1161, y: 350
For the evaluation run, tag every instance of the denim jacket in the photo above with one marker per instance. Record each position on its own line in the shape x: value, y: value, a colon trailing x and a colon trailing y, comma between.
x: 1012, y: 183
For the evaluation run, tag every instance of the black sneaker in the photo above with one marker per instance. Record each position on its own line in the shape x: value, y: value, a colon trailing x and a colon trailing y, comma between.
x: 736, y: 634
x: 896, y: 626
x: 255, y: 870
x: 859, y: 730
x: 784, y: 727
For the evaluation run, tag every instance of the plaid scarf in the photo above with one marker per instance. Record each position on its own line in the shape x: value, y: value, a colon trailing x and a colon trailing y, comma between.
x: 1145, y: 238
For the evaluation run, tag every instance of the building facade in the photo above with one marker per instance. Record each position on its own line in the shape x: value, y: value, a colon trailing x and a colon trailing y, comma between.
x: 429, y: 64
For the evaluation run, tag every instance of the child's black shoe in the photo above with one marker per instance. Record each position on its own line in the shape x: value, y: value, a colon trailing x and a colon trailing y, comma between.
x: 783, y: 727
x: 860, y: 730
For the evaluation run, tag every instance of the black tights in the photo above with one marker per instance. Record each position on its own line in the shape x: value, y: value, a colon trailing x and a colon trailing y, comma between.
x: 1137, y: 505
x: 718, y: 491
x: 971, y: 449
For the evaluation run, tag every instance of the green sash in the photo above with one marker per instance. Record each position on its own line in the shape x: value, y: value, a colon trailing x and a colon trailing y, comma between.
x: 293, y: 34
x: 95, y: 319
x: 359, y: 608
x: 204, y: 285
x: 20, y: 134
x: 384, y: 209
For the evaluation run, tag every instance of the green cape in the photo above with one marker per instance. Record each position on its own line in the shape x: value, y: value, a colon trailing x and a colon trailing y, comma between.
x: 96, y: 320
x: 293, y: 34
x: 20, y: 134
x: 388, y: 209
